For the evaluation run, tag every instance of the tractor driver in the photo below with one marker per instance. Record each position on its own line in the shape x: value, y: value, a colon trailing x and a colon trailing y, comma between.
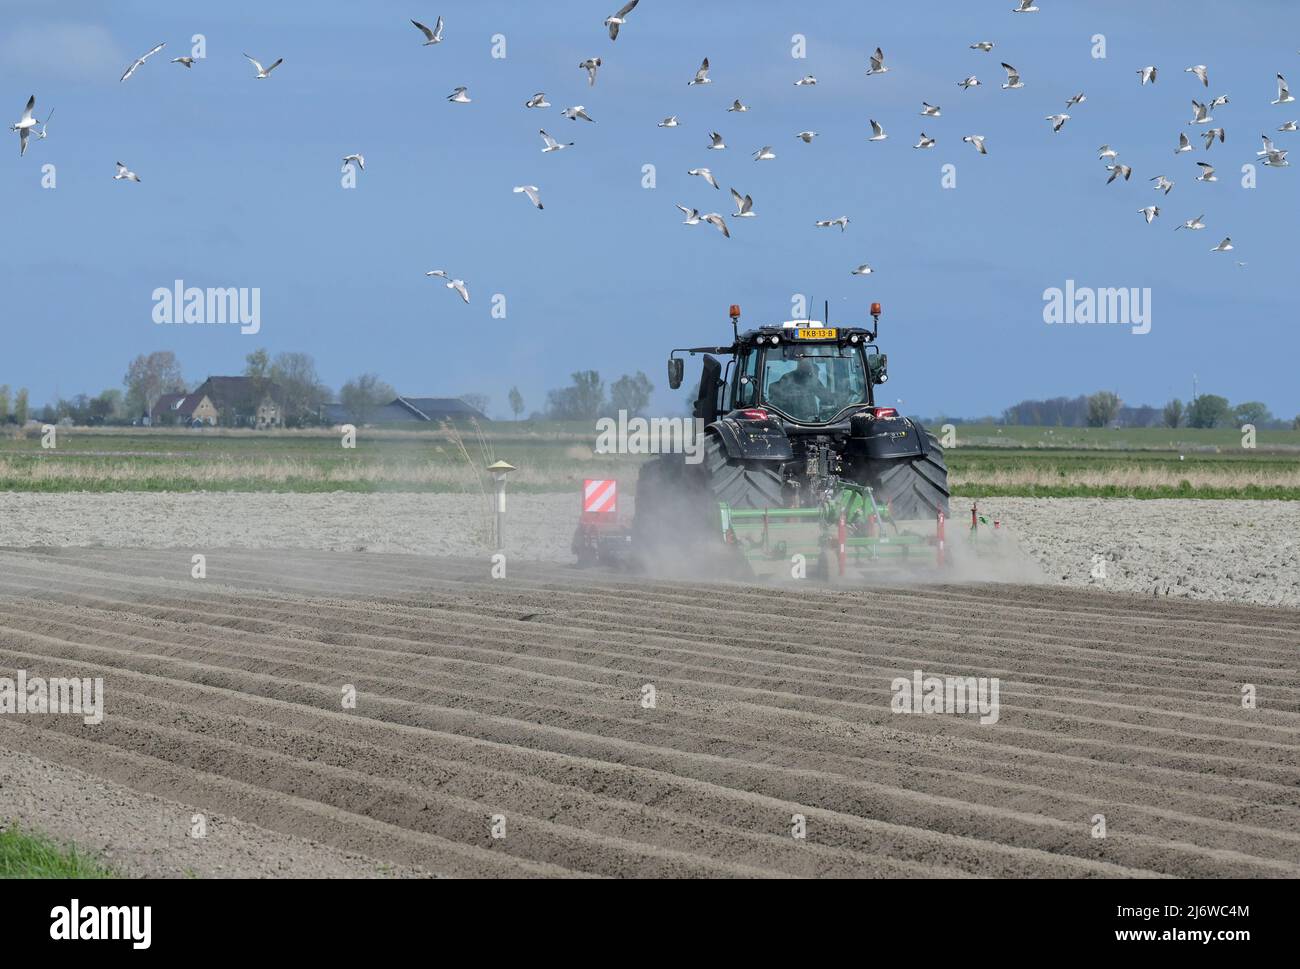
x: 800, y: 392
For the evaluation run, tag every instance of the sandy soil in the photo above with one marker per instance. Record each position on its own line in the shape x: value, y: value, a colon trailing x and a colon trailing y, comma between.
x: 522, y: 698
x: 143, y: 835
x: 1230, y: 551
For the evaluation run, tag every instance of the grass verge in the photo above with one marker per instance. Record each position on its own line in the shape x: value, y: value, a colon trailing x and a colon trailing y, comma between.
x: 24, y: 854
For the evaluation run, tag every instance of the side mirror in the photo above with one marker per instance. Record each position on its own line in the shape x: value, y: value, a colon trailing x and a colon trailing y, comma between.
x: 878, y: 366
x: 676, y: 368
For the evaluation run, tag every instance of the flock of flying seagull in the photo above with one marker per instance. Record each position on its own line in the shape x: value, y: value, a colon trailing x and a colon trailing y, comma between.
x: 1270, y: 155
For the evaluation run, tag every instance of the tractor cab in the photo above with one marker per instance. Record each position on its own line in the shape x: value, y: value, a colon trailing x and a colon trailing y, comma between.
x: 801, y: 372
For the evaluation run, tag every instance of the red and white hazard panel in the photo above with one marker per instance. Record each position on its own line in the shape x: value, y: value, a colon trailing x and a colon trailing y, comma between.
x: 600, y: 497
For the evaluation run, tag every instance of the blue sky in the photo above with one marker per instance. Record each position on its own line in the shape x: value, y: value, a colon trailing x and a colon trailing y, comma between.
x: 241, y: 187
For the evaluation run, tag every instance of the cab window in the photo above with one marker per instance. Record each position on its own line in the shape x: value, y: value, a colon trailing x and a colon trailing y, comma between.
x: 813, y: 382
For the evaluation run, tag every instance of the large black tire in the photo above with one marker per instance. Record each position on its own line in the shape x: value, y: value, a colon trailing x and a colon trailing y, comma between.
x: 915, y: 489
x: 741, y: 484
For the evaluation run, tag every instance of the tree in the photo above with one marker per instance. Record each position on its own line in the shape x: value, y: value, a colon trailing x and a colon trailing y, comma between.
x: 1173, y: 413
x: 4, y: 403
x: 1295, y: 423
x: 630, y: 393
x: 302, y: 390
x: 478, y: 401
x: 1102, y: 408
x: 583, y: 400
x: 20, y: 405
x: 257, y: 365
x: 107, y: 407
x: 149, y: 377
x: 365, y: 395
x: 1252, y: 412
x: 1209, y: 410
x: 516, y: 402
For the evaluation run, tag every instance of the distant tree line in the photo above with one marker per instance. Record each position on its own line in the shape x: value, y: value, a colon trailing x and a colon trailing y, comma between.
x: 1105, y: 409
x: 586, y: 399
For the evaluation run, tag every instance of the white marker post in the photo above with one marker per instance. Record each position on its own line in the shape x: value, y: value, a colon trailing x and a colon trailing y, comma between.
x: 499, y: 470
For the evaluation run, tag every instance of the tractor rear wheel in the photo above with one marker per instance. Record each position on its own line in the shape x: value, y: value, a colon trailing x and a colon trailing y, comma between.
x: 739, y: 483
x: 914, y: 488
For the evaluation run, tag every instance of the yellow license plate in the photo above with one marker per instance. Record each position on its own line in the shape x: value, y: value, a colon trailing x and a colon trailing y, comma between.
x: 809, y: 334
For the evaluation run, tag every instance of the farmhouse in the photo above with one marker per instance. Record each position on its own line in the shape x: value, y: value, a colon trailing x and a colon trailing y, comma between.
x: 225, y: 402
x: 409, y: 410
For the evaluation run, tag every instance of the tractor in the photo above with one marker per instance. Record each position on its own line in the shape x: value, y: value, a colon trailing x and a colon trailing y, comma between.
x: 798, y: 459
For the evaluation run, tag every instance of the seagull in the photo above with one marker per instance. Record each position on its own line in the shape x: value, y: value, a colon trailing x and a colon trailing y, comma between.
x: 187, y: 61
x: 705, y: 174
x: 457, y: 284
x: 1147, y: 74
x: 1268, y: 146
x: 1200, y: 113
x: 616, y: 20
x: 538, y: 100
x: 1058, y: 120
x: 1207, y: 173
x: 969, y: 82
x: 24, y: 126
x: 877, y: 63
x: 431, y: 37
x: 1117, y: 170
x: 670, y: 122
x: 744, y: 206
x: 1183, y: 144
x: 701, y: 76
x: 135, y: 65
x: 533, y: 194
x: 459, y: 96
x: 1195, y: 223
x: 925, y: 142
x: 1201, y: 71
x: 806, y: 136
x: 764, y: 154
x: 1284, y: 95
x: 576, y: 112
x: 552, y: 144
x: 1026, y: 6
x: 877, y: 132
x: 842, y: 222
x: 930, y: 110
x: 590, y: 65
x: 1276, y: 159
x: 264, y: 72
x: 977, y: 141
x: 1150, y: 212
x: 715, y: 142
x: 1221, y: 99
x: 1162, y: 184
x: 984, y: 45
x: 124, y: 173
x: 44, y: 127
x: 1013, y: 78
x: 737, y: 106
x: 359, y: 159
x: 806, y: 81
x: 1224, y: 246
x: 692, y: 215
x: 1077, y: 99
x: 1288, y: 126
x: 1209, y: 134
x: 1106, y: 151
x: 863, y: 270
x: 713, y: 218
